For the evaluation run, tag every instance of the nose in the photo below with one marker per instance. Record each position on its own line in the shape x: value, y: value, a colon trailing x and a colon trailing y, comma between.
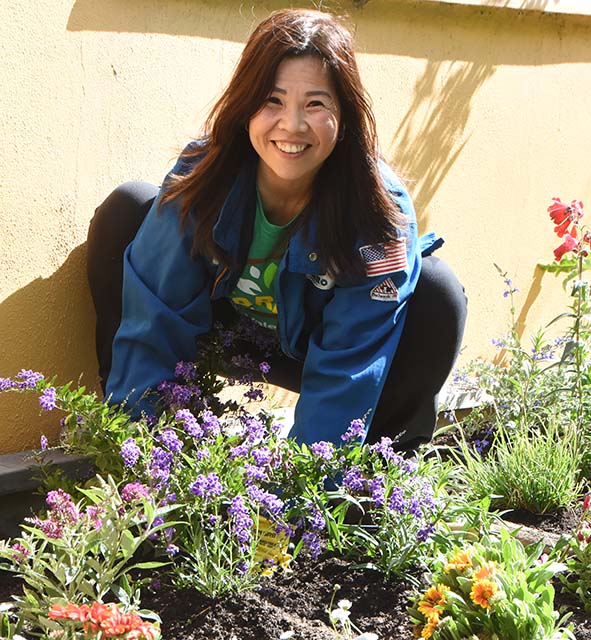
x: 293, y: 120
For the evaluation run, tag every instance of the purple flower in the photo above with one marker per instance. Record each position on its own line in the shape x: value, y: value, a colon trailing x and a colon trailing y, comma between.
x: 269, y: 501
x: 264, y: 367
x: 44, y: 443
x: 160, y: 464
x: 134, y: 491
x: 203, y: 453
x: 28, y: 379
x: 241, y: 451
x: 62, y: 506
x: 254, y: 394
x: 19, y: 552
x: 356, y: 430
x: 376, y: 486
x: 415, y: 507
x: 255, y: 473
x: 256, y: 431
x: 384, y: 448
x: 312, y: 543
x: 7, y: 383
x: 169, y: 498
x: 353, y: 479
x: 189, y: 422
x: 397, y: 500
x: 185, y: 370
x: 316, y: 520
x: 158, y: 520
x: 206, y: 486
x: 172, y: 549
x: 94, y: 515
x: 241, y: 520
x: 171, y: 441
x: 130, y: 452
x: 261, y: 456
x: 47, y: 399
x: 323, y: 449
x: 425, y: 533
x: 210, y: 423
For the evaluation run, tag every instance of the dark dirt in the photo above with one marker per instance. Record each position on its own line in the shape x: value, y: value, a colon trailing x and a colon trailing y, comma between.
x: 297, y: 602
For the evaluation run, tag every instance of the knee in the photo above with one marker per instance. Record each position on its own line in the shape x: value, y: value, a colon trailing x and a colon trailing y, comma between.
x: 439, y: 288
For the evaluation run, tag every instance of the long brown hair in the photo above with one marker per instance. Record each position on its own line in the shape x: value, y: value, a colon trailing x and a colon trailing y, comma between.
x: 349, y: 200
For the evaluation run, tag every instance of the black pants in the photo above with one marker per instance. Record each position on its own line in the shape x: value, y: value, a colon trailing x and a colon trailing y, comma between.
x: 426, y: 353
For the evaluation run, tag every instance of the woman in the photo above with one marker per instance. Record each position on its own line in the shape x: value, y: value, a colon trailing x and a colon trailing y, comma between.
x: 284, y: 209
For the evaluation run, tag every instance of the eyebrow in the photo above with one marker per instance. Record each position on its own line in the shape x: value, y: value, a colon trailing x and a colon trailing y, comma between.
x: 317, y: 92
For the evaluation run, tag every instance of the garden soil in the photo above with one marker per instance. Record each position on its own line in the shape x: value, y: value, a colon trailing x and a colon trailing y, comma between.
x: 297, y: 602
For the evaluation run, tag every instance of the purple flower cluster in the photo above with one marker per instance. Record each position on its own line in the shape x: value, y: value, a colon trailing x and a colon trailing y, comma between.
x: 7, y: 383
x: 189, y: 422
x: 323, y: 449
x: 385, y: 449
x: 267, y: 500
x: 261, y: 456
x: 171, y: 441
x: 160, y: 466
x: 264, y: 367
x: 353, y: 479
x: 355, y: 431
x: 62, y: 513
x: 206, y: 486
x: 186, y: 371
x: 130, y: 452
x: 378, y: 490
x: 210, y: 424
x: 241, y: 521
x: 134, y: 492
x: 28, y: 379
x: 313, y: 543
x: 48, y: 399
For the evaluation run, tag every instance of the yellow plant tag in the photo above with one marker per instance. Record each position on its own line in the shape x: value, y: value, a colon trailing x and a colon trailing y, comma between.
x: 272, y: 546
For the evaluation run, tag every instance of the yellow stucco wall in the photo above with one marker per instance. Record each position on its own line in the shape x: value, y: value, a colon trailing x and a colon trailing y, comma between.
x: 484, y: 111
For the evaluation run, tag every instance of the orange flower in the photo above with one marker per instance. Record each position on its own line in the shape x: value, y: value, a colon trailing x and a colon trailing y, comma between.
x: 482, y: 591
x: 69, y: 612
x: 460, y: 562
x: 430, y: 627
x: 487, y: 570
x: 433, y: 601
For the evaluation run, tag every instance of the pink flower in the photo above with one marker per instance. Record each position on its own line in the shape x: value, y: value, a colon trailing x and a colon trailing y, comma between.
x: 587, y: 502
x: 569, y: 244
x: 563, y: 215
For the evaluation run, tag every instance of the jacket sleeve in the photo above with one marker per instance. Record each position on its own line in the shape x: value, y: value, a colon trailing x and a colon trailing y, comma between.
x: 350, y: 352
x: 165, y: 306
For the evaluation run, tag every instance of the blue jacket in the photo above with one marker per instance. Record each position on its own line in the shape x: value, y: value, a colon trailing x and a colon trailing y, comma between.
x: 346, y: 336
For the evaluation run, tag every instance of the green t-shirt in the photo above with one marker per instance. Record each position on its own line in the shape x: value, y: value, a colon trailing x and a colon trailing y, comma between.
x: 254, y: 294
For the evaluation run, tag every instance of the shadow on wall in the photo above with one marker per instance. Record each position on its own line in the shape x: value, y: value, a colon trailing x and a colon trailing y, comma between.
x: 436, y: 120
x: 58, y: 311
x: 233, y: 20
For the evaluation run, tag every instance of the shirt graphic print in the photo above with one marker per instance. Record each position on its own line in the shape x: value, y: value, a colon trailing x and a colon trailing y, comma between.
x: 254, y: 294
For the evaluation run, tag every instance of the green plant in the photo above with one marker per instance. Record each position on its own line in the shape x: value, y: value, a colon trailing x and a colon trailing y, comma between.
x: 575, y: 551
x: 538, y: 470
x: 79, y: 553
x: 496, y: 588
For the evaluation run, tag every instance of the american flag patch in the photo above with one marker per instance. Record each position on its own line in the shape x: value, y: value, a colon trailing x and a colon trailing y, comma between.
x: 384, y: 258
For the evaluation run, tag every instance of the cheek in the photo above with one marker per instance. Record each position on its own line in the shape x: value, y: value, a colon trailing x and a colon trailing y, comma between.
x: 327, y: 128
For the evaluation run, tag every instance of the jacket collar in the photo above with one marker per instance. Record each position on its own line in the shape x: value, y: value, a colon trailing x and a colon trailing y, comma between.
x: 233, y: 229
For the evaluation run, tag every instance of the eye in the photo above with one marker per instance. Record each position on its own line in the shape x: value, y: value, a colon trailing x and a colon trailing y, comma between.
x: 273, y: 100
x: 316, y: 103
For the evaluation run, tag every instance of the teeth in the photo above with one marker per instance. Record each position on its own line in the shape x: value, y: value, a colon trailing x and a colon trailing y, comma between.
x: 290, y: 148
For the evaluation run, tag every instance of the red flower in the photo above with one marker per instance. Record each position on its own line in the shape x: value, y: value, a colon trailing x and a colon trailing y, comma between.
x: 587, y: 502
x: 563, y: 215
x: 569, y: 244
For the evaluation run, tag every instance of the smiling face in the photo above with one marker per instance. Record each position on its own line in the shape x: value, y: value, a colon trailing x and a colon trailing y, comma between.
x: 296, y: 129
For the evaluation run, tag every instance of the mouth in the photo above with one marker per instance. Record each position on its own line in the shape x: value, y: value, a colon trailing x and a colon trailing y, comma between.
x: 291, y: 149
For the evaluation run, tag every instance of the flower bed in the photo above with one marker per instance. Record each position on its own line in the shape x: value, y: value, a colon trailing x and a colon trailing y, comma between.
x: 249, y: 533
